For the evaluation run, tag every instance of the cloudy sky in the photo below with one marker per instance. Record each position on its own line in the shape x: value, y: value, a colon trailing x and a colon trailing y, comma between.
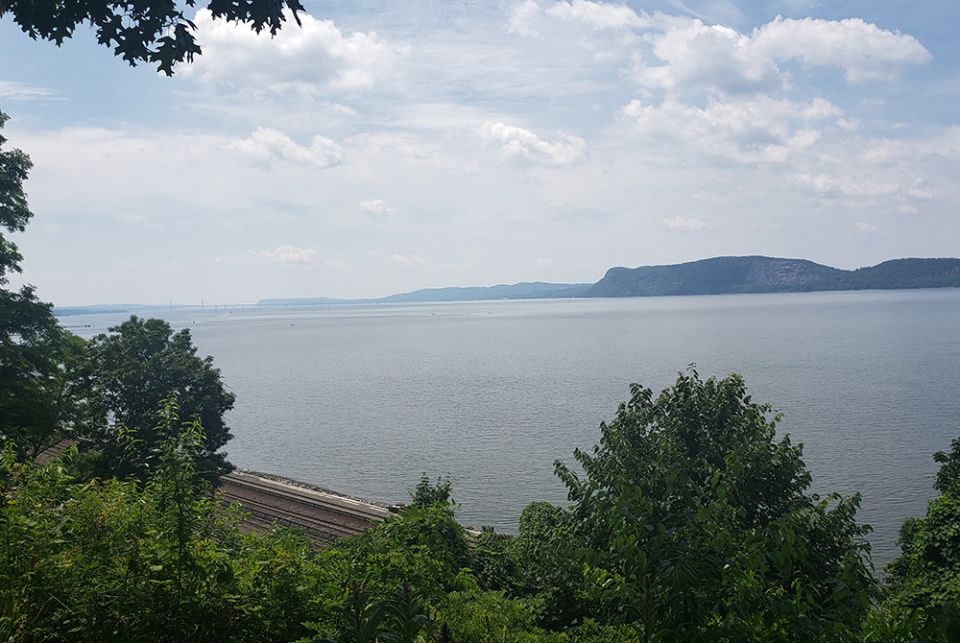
x: 388, y: 146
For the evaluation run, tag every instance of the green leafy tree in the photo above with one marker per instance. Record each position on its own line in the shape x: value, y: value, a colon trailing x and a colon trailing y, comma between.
x: 40, y: 363
x: 922, y: 597
x: 426, y: 493
x: 134, y: 368
x: 550, y: 572
x: 45, y: 399
x: 14, y: 211
x: 125, y: 560
x: 491, y: 560
x: 696, y: 524
x: 142, y: 31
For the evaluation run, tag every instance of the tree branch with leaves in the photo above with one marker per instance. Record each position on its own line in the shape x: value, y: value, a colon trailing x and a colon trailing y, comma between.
x: 143, y: 31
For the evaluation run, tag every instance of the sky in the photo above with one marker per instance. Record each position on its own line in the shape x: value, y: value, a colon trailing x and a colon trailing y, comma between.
x: 389, y: 146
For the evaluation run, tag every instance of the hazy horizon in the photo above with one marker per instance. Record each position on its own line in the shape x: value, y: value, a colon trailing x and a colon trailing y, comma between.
x: 267, y: 300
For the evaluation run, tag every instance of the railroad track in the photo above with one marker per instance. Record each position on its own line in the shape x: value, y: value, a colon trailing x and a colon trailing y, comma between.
x: 324, y: 516
x: 53, y: 452
x: 270, y: 500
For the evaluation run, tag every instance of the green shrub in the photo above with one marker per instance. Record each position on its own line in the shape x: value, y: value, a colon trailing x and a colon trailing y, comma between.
x: 922, y: 587
x: 696, y: 524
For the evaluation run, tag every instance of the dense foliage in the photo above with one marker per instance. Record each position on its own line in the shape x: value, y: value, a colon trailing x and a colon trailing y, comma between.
x: 127, y: 560
x: 697, y: 524
x: 922, y: 600
x: 41, y: 365
x: 150, y: 31
x: 136, y: 366
x: 55, y: 385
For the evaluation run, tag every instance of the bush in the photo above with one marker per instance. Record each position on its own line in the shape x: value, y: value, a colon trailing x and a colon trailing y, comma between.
x: 492, y: 562
x: 121, y: 560
x: 922, y: 588
x: 696, y: 523
x: 547, y: 554
x: 427, y: 494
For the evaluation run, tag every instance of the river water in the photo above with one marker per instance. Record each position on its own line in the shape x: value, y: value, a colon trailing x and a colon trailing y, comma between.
x: 362, y: 399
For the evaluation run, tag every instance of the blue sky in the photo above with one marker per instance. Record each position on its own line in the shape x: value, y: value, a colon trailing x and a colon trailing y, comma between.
x: 391, y: 146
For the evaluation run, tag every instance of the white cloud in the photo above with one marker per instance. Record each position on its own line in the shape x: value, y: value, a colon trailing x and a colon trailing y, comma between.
x: 269, y: 144
x: 22, y: 92
x: 863, y: 226
x: 884, y: 151
x: 849, y: 185
x: 863, y: 50
x: 543, y: 262
x: 848, y: 124
x: 944, y: 142
x: 684, y: 223
x: 600, y: 15
x: 691, y: 56
x: 291, y: 255
x: 263, y: 178
x: 283, y: 255
x: 521, y: 15
x: 407, y: 147
x: 890, y: 174
x: 687, y: 55
x: 378, y: 208
x: 746, y: 130
x: 316, y: 55
x: 521, y: 144
x: 408, y: 261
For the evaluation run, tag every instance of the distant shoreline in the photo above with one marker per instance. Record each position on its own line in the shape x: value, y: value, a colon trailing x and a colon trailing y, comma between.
x: 70, y: 311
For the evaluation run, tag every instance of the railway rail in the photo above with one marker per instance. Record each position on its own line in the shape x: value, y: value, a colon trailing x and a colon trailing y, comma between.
x: 269, y: 500
x: 322, y: 515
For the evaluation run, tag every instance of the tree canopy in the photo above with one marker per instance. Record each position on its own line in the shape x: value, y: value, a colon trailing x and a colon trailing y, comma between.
x: 690, y: 505
x: 39, y: 361
x: 14, y: 211
x: 137, y: 366
x: 143, y: 31
x: 922, y: 600
x: 54, y: 384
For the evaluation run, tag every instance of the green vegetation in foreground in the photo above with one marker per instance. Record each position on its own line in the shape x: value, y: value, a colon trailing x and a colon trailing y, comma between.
x: 690, y: 522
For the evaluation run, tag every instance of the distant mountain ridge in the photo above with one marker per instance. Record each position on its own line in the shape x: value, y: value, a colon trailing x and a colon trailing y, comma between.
x: 522, y: 290
x: 757, y: 274
x: 714, y: 276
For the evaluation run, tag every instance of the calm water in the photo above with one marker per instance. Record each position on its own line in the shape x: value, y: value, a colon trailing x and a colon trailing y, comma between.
x: 363, y: 399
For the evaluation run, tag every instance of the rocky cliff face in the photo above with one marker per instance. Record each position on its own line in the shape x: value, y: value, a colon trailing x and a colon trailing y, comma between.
x: 769, y: 274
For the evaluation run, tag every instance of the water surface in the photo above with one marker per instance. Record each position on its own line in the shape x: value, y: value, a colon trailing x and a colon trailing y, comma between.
x: 362, y: 399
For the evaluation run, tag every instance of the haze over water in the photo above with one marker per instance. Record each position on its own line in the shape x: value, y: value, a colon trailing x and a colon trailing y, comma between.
x: 362, y: 399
